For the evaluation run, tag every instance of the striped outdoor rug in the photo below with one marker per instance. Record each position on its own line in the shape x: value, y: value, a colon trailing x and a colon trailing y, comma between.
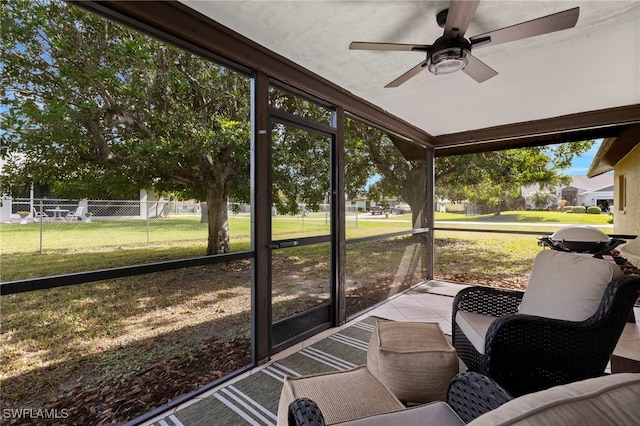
x: 254, y: 399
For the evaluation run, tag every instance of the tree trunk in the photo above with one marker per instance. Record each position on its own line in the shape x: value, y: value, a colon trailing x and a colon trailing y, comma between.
x: 204, y: 215
x: 218, y: 220
x: 417, y: 202
x: 418, y: 218
x: 413, y: 191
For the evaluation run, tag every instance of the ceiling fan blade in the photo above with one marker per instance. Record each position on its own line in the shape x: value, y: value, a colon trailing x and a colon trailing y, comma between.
x: 409, y: 74
x: 478, y: 70
x: 546, y: 24
x: 399, y: 47
x: 459, y: 17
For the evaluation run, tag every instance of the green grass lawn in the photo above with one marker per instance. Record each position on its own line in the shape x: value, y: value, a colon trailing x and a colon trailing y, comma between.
x: 32, y: 250
x: 529, y: 217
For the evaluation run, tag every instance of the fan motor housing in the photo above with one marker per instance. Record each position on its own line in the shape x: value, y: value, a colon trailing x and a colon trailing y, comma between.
x: 447, y: 56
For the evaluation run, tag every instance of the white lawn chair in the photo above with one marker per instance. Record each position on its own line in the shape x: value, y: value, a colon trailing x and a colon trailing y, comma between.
x: 36, y: 215
x: 71, y: 216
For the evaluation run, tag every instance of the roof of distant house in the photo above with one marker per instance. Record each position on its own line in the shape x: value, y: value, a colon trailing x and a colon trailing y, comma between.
x: 595, y: 183
x: 582, y: 183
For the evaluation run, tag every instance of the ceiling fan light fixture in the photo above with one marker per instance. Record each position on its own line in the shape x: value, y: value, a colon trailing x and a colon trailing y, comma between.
x: 448, y: 55
x: 448, y: 60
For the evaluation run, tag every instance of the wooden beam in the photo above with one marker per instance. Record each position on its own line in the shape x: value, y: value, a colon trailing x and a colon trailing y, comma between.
x: 261, y: 205
x: 338, y: 223
x: 613, y: 150
x: 568, y: 128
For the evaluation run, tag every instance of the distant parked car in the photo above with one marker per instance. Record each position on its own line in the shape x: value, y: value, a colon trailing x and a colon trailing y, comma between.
x: 401, y: 209
x: 376, y: 210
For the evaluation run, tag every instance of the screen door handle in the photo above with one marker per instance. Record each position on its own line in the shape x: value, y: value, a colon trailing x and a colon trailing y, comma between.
x: 284, y: 244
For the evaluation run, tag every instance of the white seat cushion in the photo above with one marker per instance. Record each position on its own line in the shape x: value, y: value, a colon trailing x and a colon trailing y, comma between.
x: 606, y: 400
x: 566, y: 286
x: 435, y: 413
x: 474, y: 326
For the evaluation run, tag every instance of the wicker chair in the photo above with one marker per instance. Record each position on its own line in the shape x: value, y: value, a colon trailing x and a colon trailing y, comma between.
x: 470, y: 395
x: 527, y: 353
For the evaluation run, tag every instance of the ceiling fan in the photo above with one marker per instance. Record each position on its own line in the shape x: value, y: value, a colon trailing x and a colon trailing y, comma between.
x: 452, y: 52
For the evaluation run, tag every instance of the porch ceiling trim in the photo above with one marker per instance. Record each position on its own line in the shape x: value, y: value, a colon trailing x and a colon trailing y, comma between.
x: 569, y: 128
x: 613, y: 150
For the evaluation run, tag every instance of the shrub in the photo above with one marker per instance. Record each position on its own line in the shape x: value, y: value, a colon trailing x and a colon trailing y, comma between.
x: 578, y: 209
x: 594, y: 210
x: 567, y: 209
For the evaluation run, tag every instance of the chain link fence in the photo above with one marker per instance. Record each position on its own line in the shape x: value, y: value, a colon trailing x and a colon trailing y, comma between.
x: 40, y: 225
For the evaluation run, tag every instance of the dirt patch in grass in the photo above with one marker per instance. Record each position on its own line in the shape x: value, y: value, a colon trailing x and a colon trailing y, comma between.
x: 117, y: 401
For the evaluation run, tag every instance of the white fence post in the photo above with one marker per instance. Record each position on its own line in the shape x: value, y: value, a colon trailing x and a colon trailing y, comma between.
x: 5, y: 209
x: 144, y: 205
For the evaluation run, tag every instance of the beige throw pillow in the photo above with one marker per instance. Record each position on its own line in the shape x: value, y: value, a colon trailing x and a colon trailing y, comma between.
x: 566, y: 286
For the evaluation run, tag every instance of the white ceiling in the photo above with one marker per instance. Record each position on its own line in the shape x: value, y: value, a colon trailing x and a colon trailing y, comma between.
x: 594, y: 66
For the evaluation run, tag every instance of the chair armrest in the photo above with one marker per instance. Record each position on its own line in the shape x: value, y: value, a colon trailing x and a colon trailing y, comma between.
x: 618, y: 299
x: 491, y: 301
x: 471, y: 395
x: 304, y: 412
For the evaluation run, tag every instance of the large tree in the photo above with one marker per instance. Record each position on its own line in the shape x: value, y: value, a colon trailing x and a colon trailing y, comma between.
x: 300, y: 159
x: 489, y: 177
x: 494, y: 177
x: 96, y: 109
x: 371, y: 151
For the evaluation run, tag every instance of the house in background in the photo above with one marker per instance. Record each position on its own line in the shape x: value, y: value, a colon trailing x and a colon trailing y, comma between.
x: 589, y: 191
x: 582, y: 191
x: 622, y: 155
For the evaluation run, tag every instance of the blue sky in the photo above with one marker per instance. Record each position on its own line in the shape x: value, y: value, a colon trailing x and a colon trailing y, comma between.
x: 580, y: 165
